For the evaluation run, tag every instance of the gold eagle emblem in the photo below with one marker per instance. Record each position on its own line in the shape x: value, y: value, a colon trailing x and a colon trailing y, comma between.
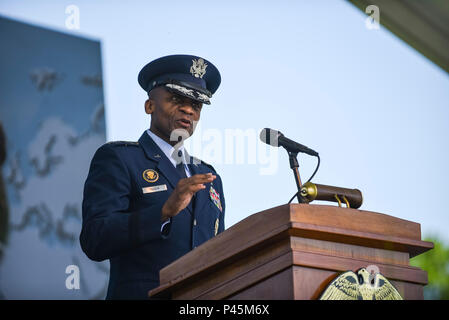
x: 150, y: 175
x: 360, y: 286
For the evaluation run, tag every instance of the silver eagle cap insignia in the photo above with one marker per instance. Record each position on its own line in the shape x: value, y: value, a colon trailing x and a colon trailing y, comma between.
x: 198, y: 68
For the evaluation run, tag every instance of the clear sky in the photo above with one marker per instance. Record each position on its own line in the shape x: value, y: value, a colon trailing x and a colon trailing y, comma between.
x: 376, y: 110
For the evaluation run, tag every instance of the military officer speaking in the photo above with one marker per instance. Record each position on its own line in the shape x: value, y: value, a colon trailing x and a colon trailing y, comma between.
x: 147, y: 203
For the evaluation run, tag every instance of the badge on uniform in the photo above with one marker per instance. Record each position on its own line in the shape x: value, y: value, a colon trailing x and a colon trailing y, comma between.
x: 217, y: 223
x: 150, y: 175
x: 215, y: 197
x: 162, y: 187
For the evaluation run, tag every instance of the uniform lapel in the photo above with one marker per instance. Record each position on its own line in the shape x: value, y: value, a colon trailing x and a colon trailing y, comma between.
x: 155, y: 153
x: 164, y: 166
x: 202, y: 196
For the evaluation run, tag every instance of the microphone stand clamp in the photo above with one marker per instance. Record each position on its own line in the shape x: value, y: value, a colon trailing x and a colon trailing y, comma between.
x: 294, y: 165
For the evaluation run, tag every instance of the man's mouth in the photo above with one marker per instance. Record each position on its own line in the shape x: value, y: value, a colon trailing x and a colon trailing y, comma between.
x: 184, y: 123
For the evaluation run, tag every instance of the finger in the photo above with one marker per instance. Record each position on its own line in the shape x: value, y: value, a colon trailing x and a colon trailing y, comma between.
x: 190, y: 189
x: 194, y: 188
x: 201, y: 178
x: 195, y: 180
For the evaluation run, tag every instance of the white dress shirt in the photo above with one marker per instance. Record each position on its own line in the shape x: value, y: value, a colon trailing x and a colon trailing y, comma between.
x: 168, y: 150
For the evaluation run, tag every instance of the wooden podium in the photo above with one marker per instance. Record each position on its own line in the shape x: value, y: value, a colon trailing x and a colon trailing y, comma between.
x: 293, y: 252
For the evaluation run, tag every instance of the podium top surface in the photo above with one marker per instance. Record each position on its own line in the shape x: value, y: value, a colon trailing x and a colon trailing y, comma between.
x: 323, y: 222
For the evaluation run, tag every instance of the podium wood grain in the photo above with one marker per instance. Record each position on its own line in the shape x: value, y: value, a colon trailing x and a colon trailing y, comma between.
x: 293, y: 252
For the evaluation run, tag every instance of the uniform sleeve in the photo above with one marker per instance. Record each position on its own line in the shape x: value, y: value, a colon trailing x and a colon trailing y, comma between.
x: 221, y: 226
x: 108, y: 227
x: 221, y: 222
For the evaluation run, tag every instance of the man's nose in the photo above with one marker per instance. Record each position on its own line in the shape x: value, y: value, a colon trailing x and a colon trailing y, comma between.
x: 186, y: 107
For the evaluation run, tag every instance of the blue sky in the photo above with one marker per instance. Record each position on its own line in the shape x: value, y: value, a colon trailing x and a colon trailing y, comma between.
x: 374, y: 108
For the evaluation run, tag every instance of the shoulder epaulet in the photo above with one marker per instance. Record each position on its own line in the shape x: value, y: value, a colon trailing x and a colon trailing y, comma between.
x: 206, y: 164
x: 123, y: 143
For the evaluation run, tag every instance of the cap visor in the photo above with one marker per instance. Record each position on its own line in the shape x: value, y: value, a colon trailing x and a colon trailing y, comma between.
x: 188, y: 92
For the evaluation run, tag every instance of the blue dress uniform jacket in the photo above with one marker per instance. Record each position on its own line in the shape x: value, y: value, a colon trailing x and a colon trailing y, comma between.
x: 122, y: 223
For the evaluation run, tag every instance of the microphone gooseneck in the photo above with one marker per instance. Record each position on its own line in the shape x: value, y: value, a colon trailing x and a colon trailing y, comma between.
x: 276, y: 139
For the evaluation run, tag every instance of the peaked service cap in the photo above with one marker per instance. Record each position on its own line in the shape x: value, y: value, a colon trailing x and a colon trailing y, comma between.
x: 190, y: 76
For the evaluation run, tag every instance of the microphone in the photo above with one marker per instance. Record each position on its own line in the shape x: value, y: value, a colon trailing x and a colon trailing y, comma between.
x: 276, y: 138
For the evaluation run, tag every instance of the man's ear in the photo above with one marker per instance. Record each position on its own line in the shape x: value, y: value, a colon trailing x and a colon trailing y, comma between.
x: 149, y: 106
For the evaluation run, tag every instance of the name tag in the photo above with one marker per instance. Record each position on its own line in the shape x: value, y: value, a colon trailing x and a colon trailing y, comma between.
x: 162, y: 187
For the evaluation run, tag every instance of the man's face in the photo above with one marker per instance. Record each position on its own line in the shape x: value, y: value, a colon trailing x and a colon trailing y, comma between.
x: 170, y: 111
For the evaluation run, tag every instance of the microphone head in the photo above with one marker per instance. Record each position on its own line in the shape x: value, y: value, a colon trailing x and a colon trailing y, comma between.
x: 270, y: 136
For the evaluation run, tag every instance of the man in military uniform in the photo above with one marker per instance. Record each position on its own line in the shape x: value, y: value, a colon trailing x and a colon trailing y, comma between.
x: 147, y: 203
